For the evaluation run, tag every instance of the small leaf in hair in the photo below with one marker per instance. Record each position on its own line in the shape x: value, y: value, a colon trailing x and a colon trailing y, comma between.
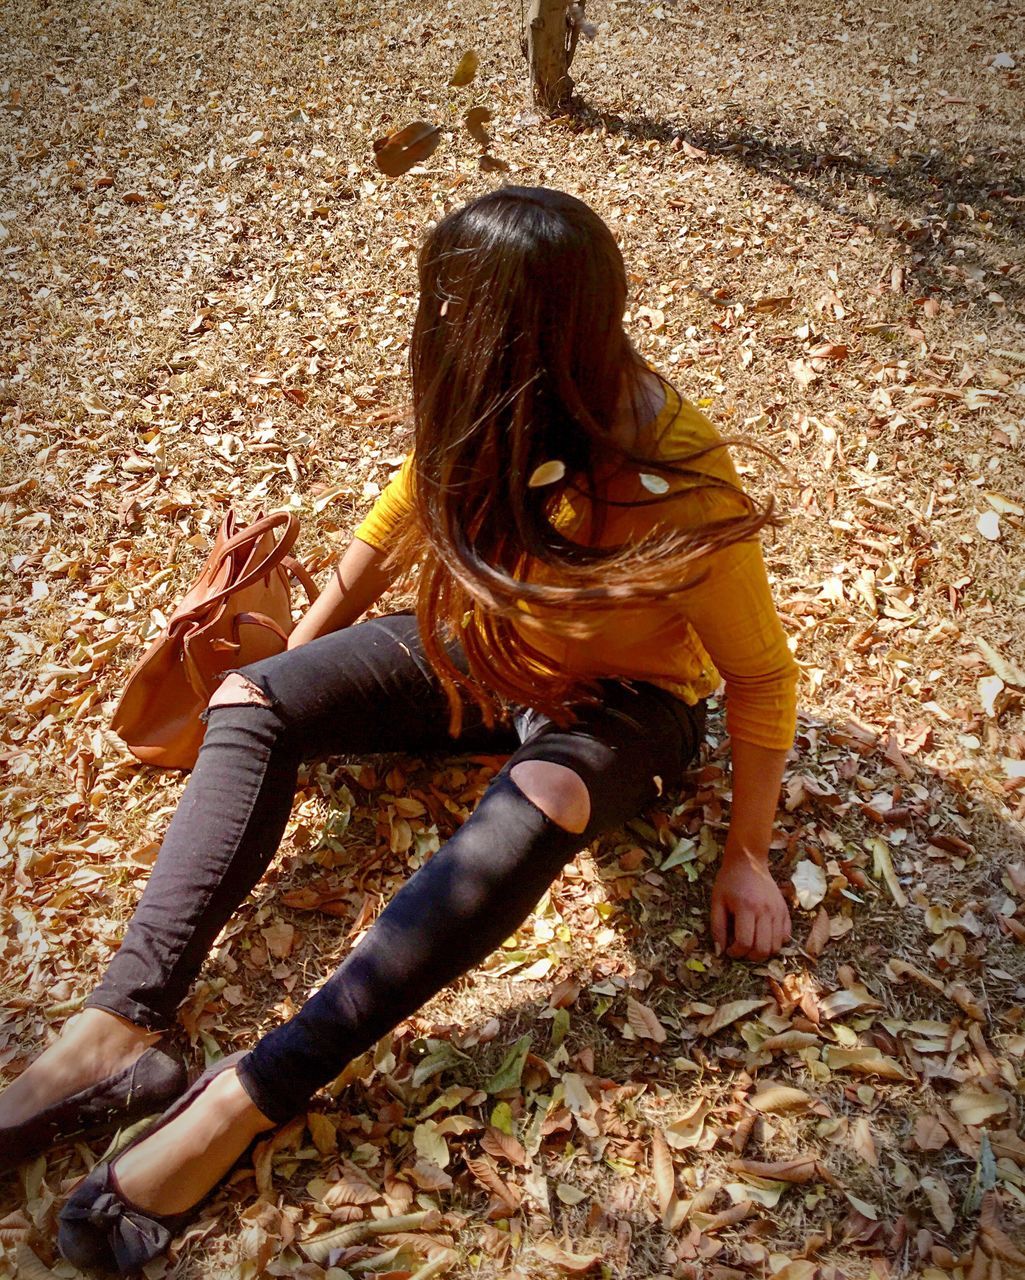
x: 547, y: 473
x: 466, y: 69
x: 655, y: 484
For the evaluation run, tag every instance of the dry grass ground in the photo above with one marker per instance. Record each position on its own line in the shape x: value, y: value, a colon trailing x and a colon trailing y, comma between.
x: 208, y: 290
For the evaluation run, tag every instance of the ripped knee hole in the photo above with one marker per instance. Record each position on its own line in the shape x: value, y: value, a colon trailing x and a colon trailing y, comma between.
x: 556, y: 790
x: 237, y: 690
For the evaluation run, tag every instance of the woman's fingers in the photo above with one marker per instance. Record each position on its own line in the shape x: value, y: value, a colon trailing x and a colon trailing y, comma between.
x: 743, y: 933
x: 720, y: 922
x: 757, y: 936
x: 766, y: 937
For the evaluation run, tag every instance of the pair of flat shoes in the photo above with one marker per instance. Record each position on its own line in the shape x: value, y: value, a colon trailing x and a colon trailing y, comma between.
x: 101, y: 1228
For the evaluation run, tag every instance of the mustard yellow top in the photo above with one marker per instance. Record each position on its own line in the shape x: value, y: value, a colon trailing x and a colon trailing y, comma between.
x: 723, y: 627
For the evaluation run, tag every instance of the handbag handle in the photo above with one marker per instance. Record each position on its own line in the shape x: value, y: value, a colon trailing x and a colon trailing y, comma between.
x: 299, y: 570
x: 271, y: 560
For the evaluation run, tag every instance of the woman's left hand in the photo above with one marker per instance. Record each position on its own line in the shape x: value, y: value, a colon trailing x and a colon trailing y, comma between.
x: 746, y: 894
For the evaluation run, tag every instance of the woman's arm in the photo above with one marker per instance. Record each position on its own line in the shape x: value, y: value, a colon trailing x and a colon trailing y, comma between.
x: 735, y: 618
x: 744, y: 892
x: 357, y: 581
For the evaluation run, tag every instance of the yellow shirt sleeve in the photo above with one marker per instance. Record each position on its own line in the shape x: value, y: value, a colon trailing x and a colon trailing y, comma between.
x: 391, y: 511
x: 731, y: 608
x: 733, y: 615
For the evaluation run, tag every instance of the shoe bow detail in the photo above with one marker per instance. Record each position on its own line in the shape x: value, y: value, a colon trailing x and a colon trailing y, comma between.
x: 97, y: 1210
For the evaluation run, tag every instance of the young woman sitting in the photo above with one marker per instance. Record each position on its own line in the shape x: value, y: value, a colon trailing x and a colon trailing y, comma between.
x: 587, y: 567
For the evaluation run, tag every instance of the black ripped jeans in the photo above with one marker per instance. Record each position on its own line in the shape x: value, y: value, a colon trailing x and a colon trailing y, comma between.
x: 369, y: 689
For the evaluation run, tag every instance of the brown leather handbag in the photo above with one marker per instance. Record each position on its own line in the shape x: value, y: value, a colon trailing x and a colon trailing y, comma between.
x: 238, y: 611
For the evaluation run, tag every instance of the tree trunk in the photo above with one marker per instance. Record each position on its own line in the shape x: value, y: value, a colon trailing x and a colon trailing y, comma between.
x: 548, y: 53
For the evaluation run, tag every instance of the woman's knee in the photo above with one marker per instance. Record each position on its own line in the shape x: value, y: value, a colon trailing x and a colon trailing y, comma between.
x: 237, y: 690
x: 556, y: 790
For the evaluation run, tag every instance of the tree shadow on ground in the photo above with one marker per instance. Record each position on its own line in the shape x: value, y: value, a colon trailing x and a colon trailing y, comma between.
x: 959, y: 212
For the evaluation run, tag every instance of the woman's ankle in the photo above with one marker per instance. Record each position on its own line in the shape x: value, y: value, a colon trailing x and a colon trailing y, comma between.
x: 104, y: 1036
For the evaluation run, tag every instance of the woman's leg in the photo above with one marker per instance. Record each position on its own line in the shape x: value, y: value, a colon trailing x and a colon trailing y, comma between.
x: 452, y: 913
x: 480, y: 886
x: 364, y: 689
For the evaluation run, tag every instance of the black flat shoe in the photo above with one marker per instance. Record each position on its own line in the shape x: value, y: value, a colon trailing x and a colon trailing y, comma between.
x: 100, y: 1227
x: 153, y: 1080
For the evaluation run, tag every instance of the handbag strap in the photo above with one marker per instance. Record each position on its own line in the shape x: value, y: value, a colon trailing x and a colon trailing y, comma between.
x: 299, y: 570
x: 251, y: 533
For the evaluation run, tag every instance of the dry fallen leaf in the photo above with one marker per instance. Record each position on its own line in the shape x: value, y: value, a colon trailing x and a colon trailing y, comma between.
x: 809, y: 881
x: 929, y: 1134
x: 818, y: 934
x: 280, y: 939
x: 573, y: 1263
x: 644, y: 1022
x: 938, y: 1194
x: 686, y: 1132
x: 662, y: 1171
x: 503, y: 1146
x: 778, y: 1099
x: 728, y: 1013
x: 973, y: 1105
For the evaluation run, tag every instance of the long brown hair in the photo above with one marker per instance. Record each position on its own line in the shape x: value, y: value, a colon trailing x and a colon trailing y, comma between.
x: 518, y: 358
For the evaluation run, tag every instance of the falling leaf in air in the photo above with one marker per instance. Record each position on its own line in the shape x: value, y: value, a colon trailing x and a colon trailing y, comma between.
x: 988, y: 524
x: 547, y: 473
x: 465, y: 70
x: 398, y: 152
x: 488, y: 163
x: 475, y: 120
